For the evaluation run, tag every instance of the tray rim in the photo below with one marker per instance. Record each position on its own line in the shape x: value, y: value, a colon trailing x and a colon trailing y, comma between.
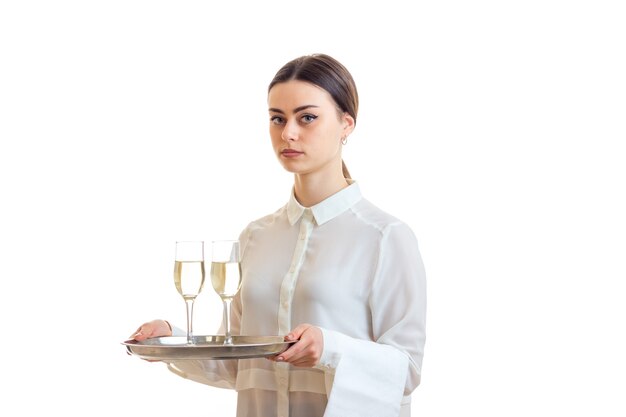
x: 173, y: 352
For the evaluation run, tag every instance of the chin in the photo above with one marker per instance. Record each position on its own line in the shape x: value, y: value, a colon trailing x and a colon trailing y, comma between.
x: 291, y: 170
x: 289, y: 167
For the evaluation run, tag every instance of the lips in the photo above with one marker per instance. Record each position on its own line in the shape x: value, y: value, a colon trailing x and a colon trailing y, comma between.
x: 290, y: 153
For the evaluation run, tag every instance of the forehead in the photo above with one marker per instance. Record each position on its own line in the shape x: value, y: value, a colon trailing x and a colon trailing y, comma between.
x: 294, y: 93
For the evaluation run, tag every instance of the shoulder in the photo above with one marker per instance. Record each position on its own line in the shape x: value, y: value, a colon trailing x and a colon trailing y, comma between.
x: 391, y: 231
x: 264, y: 222
x: 377, y: 218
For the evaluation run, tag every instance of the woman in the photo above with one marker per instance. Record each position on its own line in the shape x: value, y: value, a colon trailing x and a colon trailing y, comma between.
x: 329, y: 269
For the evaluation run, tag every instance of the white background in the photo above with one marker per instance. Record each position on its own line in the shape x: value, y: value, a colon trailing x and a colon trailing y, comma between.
x: 494, y: 128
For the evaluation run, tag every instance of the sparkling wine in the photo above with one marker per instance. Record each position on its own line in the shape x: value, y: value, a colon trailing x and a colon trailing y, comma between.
x: 226, y: 278
x: 189, y: 278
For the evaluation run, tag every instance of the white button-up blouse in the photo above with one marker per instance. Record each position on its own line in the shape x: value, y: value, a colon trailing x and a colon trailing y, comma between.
x: 354, y: 271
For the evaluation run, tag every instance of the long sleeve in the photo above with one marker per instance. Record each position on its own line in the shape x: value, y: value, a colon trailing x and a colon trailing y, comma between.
x: 398, y: 299
x: 370, y: 377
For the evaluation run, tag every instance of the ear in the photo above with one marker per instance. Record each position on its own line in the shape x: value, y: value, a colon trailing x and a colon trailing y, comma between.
x: 348, y: 123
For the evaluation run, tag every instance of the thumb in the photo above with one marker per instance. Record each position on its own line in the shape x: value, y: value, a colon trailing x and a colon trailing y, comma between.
x: 296, y: 333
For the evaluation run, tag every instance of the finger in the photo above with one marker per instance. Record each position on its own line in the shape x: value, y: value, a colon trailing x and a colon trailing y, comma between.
x: 296, y: 333
x: 296, y: 352
x: 143, y: 332
x: 136, y: 333
x: 272, y: 358
x: 140, y: 337
x: 288, y: 354
x: 308, y: 350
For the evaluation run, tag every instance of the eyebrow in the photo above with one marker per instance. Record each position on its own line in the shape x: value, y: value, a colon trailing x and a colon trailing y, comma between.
x: 296, y: 110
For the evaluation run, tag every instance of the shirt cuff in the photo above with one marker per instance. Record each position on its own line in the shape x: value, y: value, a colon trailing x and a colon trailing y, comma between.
x: 331, y: 353
x: 177, y: 331
x: 369, y: 377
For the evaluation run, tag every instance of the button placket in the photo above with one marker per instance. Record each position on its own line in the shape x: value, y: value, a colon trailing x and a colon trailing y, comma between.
x: 284, y: 309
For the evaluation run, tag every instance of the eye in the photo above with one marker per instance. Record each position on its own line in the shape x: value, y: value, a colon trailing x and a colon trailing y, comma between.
x: 308, y: 118
x: 276, y: 120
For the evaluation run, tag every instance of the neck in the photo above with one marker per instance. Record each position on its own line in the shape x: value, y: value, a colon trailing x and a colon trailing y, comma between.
x: 311, y: 189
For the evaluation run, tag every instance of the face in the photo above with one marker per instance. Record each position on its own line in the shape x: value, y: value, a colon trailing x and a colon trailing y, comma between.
x: 306, y: 127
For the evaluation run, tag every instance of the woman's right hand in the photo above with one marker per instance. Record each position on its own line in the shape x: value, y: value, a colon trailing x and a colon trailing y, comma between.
x: 154, y: 328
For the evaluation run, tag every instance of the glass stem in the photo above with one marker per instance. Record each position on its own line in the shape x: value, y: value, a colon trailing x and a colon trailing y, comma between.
x: 189, y: 303
x: 228, y: 340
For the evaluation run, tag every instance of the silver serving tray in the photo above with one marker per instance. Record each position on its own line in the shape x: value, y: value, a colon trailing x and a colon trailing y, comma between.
x: 206, y: 347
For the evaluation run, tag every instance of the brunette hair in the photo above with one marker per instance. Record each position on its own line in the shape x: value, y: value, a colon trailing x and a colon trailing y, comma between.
x: 327, y: 73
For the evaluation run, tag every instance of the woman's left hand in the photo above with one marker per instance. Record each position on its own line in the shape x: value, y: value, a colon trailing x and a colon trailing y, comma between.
x: 307, y: 351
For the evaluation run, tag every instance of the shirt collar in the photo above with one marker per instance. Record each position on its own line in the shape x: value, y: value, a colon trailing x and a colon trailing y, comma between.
x: 328, y: 209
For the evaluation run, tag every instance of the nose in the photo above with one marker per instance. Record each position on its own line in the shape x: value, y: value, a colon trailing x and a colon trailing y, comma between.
x: 290, y: 132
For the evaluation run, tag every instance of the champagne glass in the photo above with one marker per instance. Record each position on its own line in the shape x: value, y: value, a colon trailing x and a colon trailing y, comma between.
x: 189, y: 276
x: 226, y: 277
